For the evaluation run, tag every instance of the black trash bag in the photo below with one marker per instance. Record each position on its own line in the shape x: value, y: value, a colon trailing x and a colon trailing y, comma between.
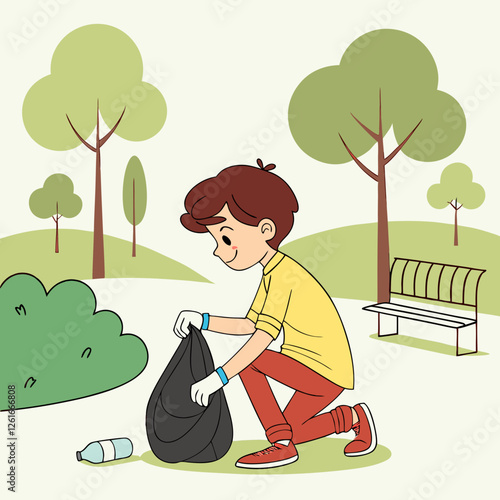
x: 178, y: 429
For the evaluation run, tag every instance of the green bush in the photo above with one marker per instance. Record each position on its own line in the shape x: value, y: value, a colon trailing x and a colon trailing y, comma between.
x: 55, y: 347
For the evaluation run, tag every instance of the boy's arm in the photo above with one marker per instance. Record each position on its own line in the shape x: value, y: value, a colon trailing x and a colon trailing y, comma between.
x: 255, y: 346
x: 240, y: 326
x: 231, y: 326
x: 258, y: 342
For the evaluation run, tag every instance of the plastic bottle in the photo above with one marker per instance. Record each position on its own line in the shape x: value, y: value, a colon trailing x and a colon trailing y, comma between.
x: 98, y: 452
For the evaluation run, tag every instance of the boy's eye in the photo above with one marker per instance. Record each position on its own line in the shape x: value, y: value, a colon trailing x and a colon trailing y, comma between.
x: 226, y: 240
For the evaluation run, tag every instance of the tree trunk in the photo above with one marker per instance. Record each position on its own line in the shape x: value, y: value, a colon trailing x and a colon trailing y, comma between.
x: 57, y: 228
x: 133, y: 220
x: 98, y: 251
x: 383, y: 255
x: 383, y: 259
x: 383, y: 265
x: 455, y: 241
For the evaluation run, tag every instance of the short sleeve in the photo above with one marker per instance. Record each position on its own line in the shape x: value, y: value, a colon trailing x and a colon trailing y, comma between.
x: 273, y: 311
x: 258, y: 303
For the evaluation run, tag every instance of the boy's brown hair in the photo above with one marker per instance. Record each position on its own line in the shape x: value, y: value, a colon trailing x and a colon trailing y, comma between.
x: 251, y: 194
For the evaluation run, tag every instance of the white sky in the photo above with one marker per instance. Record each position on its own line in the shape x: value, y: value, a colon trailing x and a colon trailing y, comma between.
x: 227, y: 70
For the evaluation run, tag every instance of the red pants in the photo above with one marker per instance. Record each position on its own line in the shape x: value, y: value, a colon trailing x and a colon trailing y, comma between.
x: 299, y: 421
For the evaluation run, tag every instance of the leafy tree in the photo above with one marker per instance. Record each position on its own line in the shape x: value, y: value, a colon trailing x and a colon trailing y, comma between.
x: 134, y: 196
x: 386, y: 79
x: 55, y: 199
x: 96, y: 73
x: 456, y: 187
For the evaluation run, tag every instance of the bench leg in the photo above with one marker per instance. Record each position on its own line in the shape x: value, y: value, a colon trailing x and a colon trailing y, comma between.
x: 470, y: 352
x: 388, y: 326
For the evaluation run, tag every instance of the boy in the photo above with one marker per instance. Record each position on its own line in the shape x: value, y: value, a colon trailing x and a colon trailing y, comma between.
x: 249, y: 211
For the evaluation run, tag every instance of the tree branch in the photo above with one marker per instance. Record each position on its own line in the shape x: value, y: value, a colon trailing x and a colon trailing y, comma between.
x: 365, y: 169
x: 53, y: 218
x: 110, y: 133
x: 366, y: 129
x: 398, y: 149
x: 380, y: 130
x: 454, y: 206
x: 97, y: 121
x: 80, y: 137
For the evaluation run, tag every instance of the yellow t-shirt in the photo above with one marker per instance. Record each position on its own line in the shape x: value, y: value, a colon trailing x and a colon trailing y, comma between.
x: 289, y: 297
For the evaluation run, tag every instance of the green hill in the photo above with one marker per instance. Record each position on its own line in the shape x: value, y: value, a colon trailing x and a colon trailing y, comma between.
x: 33, y: 252
x: 344, y: 260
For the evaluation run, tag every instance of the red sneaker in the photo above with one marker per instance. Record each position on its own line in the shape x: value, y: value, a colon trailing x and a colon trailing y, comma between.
x: 275, y: 456
x: 366, y: 436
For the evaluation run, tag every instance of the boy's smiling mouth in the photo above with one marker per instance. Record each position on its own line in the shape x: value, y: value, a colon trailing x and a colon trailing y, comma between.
x: 235, y: 255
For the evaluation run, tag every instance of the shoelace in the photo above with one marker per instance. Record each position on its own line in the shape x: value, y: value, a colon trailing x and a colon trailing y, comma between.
x: 266, y: 451
x: 355, y: 428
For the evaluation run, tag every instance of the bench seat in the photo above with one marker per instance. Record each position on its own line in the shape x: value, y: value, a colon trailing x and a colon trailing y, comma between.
x: 419, y: 314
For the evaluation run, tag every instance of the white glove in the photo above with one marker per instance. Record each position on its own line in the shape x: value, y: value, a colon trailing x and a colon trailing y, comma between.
x: 201, y: 391
x: 186, y: 318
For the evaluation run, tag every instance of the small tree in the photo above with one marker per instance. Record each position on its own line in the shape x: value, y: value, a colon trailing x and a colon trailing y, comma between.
x: 134, y: 196
x: 55, y: 199
x: 457, y: 190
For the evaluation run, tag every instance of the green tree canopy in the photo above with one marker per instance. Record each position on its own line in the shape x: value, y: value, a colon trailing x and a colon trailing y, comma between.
x: 93, y: 63
x: 403, y: 70
x: 134, y: 191
x: 134, y: 196
x: 456, y: 185
x: 56, y: 197
x: 457, y: 190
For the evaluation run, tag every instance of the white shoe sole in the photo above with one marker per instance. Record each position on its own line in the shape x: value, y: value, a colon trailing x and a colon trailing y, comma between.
x: 268, y: 465
x: 373, y: 432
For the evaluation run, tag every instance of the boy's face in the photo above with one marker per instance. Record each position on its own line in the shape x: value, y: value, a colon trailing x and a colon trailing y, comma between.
x: 241, y: 246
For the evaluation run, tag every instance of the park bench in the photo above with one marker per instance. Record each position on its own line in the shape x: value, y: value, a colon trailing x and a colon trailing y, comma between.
x: 432, y: 281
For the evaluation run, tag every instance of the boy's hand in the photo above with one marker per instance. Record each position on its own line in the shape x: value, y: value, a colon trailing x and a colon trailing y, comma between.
x: 186, y: 318
x: 200, y: 392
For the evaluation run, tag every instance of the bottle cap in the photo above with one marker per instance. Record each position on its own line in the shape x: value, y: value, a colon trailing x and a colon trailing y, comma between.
x: 78, y: 456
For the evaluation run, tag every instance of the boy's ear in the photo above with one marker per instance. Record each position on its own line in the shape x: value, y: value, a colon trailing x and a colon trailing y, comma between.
x: 267, y: 228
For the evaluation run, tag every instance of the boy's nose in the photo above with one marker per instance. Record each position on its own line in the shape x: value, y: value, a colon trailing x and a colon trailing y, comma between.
x: 216, y: 251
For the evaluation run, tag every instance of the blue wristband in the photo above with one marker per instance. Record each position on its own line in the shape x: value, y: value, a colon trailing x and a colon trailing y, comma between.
x: 222, y: 374
x: 206, y: 319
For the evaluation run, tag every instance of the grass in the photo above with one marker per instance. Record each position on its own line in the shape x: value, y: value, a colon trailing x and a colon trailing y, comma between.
x: 428, y: 345
x: 33, y: 252
x: 321, y: 455
x: 344, y: 260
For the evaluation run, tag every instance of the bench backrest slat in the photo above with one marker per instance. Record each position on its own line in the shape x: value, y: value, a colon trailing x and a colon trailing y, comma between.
x: 403, y: 275
x: 465, y: 283
x: 415, y: 281
x: 451, y: 283
x: 439, y: 283
x: 427, y: 280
